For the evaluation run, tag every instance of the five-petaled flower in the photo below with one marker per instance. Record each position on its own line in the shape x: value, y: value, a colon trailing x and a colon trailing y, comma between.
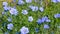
x: 25, y: 12
x: 21, y: 2
x: 5, y: 4
x: 30, y: 18
x: 57, y: 15
x: 24, y: 30
x: 28, y: 1
x: 10, y: 26
x: 13, y: 11
x: 46, y: 26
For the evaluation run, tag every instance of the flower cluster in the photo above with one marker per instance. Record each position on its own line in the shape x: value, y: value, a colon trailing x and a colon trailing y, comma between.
x: 34, y: 8
x: 43, y: 19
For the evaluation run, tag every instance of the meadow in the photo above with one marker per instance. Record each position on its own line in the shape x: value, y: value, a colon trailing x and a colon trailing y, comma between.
x: 50, y: 9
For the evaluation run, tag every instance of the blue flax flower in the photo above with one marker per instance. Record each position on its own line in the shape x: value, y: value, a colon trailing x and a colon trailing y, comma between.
x: 39, y: 21
x: 13, y: 11
x: 57, y: 15
x: 21, y: 2
x: 6, y: 8
x: 28, y: 1
x: 46, y: 26
x: 5, y: 4
x: 33, y: 8
x: 58, y: 0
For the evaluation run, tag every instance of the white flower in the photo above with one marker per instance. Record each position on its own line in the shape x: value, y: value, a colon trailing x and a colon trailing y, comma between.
x: 34, y: 8
x: 25, y: 12
x: 13, y: 11
x: 24, y: 30
x: 20, y: 2
x: 28, y: 1
x: 41, y: 9
x: 10, y: 26
x: 5, y: 3
x: 30, y: 18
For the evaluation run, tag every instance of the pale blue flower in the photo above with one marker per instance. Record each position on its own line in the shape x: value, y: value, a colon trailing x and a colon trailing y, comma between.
x: 3, y: 13
x: 46, y: 26
x: 25, y: 12
x: 5, y: 4
x: 48, y: 20
x: 44, y: 18
x: 57, y: 15
x: 41, y: 9
x: 10, y: 26
x: 58, y: 0
x: 34, y: 8
x: 39, y: 21
x: 55, y: 1
x: 6, y: 8
x: 28, y: 1
x: 13, y: 11
x: 24, y: 30
x: 21, y: 2
x: 30, y: 18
